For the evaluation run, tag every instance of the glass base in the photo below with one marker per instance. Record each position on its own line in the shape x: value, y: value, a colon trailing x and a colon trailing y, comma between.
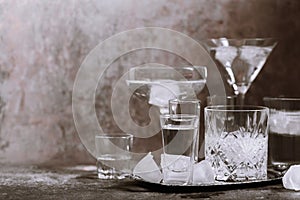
x: 241, y: 178
x: 119, y: 170
x: 281, y: 166
x: 112, y: 174
x: 176, y: 178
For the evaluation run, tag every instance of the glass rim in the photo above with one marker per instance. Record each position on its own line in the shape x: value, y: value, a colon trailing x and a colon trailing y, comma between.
x: 225, y: 96
x: 281, y: 99
x: 248, y: 39
x: 254, y: 38
x: 117, y: 135
x: 183, y: 101
x: 236, y: 108
x: 187, y: 116
x: 212, y: 43
x: 170, y: 67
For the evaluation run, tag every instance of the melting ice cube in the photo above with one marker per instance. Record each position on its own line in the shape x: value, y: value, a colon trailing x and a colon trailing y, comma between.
x: 285, y: 122
x: 162, y: 91
x: 175, y: 163
x: 203, y: 173
x: 148, y: 170
x: 291, y: 179
x: 226, y: 55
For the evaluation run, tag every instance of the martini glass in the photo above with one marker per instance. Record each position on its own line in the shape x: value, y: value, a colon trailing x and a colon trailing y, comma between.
x: 159, y: 83
x: 241, y: 60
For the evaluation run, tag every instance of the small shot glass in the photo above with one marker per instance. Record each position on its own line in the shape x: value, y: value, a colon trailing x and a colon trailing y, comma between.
x: 113, y: 155
x: 186, y: 106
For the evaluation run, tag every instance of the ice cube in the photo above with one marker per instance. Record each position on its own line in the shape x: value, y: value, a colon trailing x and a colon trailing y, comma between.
x: 291, y: 179
x: 254, y: 56
x: 226, y: 55
x: 203, y: 173
x: 175, y: 162
x: 162, y: 91
x: 285, y: 122
x: 293, y: 124
x: 278, y: 122
x: 252, y: 53
x: 148, y: 170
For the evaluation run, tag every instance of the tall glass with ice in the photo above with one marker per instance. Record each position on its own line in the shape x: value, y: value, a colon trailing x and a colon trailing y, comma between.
x: 236, y: 141
x: 179, y: 137
x: 284, y: 136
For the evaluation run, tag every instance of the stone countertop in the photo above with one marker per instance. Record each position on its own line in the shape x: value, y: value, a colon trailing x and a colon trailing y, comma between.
x: 80, y: 182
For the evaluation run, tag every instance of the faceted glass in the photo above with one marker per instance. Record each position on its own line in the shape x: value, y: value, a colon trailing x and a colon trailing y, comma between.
x: 236, y: 141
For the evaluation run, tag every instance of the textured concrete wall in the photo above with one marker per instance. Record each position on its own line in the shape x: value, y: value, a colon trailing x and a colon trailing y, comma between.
x: 43, y: 43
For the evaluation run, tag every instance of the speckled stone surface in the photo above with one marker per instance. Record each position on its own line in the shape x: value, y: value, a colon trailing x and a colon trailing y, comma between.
x: 81, y: 183
x: 43, y: 43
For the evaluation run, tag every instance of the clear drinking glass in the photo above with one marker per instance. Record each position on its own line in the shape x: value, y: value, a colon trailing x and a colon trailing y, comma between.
x: 113, y: 155
x: 284, y: 135
x: 236, y: 141
x: 187, y: 106
x: 179, y: 133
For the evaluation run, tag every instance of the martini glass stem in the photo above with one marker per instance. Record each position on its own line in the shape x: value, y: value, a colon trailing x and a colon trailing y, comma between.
x: 241, y: 99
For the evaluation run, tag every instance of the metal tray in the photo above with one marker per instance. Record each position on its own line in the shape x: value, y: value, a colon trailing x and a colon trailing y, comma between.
x: 274, y: 177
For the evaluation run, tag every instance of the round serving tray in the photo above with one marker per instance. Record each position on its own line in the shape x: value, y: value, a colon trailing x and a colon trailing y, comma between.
x: 273, y: 177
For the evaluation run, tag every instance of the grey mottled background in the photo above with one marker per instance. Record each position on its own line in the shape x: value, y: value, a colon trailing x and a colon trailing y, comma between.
x: 43, y: 43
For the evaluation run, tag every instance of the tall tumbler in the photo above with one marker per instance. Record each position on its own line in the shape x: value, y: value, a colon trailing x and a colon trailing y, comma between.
x: 187, y: 106
x: 179, y: 133
x: 284, y: 136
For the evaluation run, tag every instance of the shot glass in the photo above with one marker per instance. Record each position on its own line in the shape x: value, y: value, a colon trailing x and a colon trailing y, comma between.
x: 284, y: 135
x: 187, y: 106
x: 113, y: 155
x: 236, y: 142
x: 179, y: 137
